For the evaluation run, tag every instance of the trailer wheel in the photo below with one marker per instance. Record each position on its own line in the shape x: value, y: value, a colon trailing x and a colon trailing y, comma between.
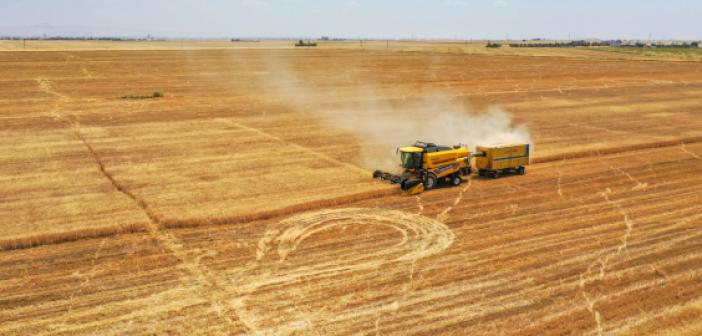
x: 521, y: 170
x: 456, y: 179
x: 430, y: 182
x: 496, y: 174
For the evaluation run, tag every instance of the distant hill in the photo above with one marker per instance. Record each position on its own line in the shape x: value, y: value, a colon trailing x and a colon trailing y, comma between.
x: 48, y: 30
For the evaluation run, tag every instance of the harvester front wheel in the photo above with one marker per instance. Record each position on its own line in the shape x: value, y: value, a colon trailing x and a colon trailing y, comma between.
x: 430, y: 182
x: 456, y: 179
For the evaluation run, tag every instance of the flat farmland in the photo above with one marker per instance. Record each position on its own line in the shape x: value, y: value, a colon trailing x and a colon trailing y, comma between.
x: 241, y: 202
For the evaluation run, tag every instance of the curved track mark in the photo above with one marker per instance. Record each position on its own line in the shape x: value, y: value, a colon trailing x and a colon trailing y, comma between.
x: 420, y: 236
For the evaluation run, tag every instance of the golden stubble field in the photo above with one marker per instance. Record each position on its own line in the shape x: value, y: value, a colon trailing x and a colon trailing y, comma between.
x: 236, y: 204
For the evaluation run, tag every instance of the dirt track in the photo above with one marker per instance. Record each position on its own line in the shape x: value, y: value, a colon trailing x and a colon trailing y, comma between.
x: 217, y: 239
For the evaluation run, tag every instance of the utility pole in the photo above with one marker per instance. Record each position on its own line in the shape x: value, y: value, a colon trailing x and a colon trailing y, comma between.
x: 24, y: 43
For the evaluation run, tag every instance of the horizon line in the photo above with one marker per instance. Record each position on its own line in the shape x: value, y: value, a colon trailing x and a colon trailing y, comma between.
x: 323, y: 38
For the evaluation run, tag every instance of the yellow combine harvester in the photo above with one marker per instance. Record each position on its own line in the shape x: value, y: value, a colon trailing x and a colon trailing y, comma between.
x: 426, y: 164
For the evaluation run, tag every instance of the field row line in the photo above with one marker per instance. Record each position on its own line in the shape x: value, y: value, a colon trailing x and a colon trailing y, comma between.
x: 560, y: 90
x: 617, y: 150
x: 308, y: 150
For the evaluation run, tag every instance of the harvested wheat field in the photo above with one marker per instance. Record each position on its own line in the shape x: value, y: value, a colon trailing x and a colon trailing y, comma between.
x: 242, y: 202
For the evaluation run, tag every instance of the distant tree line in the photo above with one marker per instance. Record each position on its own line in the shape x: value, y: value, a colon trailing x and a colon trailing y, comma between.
x: 612, y: 43
x: 493, y: 45
x: 683, y: 45
x: 74, y: 38
x: 571, y: 44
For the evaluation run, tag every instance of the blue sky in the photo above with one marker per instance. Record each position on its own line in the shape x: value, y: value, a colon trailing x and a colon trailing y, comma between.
x: 460, y: 19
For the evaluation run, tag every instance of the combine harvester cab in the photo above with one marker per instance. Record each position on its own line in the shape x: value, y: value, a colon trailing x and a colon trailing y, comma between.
x: 497, y: 160
x: 426, y: 164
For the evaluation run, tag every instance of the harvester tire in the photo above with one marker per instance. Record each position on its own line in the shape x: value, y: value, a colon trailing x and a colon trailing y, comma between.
x: 430, y: 182
x: 521, y: 170
x: 496, y: 174
x: 456, y: 179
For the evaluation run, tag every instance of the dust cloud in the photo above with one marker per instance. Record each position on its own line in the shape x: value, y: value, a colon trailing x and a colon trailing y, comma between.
x: 381, y: 124
x: 436, y: 120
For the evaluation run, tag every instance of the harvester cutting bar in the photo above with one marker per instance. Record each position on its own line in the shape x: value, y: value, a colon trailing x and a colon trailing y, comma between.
x: 387, y: 176
x: 409, y: 185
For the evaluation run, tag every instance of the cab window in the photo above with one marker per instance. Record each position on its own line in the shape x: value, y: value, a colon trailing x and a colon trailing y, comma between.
x: 411, y: 160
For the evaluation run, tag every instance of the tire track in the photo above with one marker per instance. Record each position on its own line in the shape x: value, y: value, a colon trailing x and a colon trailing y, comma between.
x: 444, y: 215
x: 420, y: 205
x: 687, y: 151
x: 619, y: 171
x: 590, y: 303
x: 94, y: 269
x: 559, y: 169
x: 420, y: 236
x: 624, y: 239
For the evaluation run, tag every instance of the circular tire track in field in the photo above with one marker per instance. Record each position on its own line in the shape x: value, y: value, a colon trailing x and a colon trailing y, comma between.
x: 420, y: 237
